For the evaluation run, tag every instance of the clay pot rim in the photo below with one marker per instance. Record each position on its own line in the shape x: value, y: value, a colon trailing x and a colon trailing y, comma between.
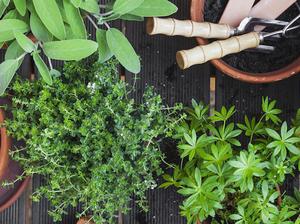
x: 4, y: 158
x: 196, y: 11
x: 16, y: 195
x: 5, y: 146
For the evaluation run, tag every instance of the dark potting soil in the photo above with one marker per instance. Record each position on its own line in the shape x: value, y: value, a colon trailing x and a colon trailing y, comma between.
x: 287, y: 50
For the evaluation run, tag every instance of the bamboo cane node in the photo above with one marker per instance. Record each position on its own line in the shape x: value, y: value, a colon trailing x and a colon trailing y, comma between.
x: 221, y: 48
x: 173, y: 27
x: 193, y: 28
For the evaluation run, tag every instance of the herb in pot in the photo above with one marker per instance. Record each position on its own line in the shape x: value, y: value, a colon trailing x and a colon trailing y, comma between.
x: 94, y: 144
x: 60, y: 32
x: 223, y: 182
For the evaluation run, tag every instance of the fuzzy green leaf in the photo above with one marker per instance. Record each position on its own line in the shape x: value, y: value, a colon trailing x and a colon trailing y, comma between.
x: 70, y: 50
x: 104, y: 51
x: 25, y: 43
x: 151, y: 8
x: 130, y: 17
x: 49, y: 13
x: 8, y: 26
x: 75, y: 20
x: 6, y: 2
x: 20, y: 6
x: 90, y: 6
x: 2, y: 8
x: 123, y: 51
x: 13, y: 51
x: 76, y: 3
x: 122, y: 7
x: 8, y: 69
x: 38, y: 28
x: 42, y: 68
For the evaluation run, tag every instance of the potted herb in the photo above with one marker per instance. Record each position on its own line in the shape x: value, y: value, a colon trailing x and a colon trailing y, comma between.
x: 57, y: 29
x: 94, y: 144
x: 226, y: 182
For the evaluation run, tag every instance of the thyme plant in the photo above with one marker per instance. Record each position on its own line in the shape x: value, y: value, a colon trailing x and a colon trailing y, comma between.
x: 224, y: 182
x: 93, y: 144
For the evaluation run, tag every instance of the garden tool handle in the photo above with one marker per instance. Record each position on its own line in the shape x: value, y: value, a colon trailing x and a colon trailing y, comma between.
x: 188, y: 28
x: 217, y: 49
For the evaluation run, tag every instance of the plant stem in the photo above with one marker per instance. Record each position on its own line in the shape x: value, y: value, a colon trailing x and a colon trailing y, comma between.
x: 256, y: 126
x: 107, y: 25
x: 92, y: 22
x: 107, y: 13
x: 279, y: 200
x: 21, y: 57
x: 50, y: 63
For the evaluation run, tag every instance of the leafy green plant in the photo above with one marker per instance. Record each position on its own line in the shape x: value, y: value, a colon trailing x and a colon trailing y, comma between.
x: 60, y: 32
x: 227, y: 182
x: 92, y: 143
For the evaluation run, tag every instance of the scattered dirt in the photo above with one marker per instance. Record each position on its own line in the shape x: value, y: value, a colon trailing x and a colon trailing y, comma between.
x: 287, y: 50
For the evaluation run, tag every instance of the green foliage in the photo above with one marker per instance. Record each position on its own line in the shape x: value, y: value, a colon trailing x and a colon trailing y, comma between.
x: 61, y: 33
x: 93, y: 144
x: 222, y: 181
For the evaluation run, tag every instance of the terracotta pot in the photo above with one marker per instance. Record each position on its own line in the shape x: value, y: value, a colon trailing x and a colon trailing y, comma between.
x: 8, y: 171
x: 85, y: 220
x: 197, y: 14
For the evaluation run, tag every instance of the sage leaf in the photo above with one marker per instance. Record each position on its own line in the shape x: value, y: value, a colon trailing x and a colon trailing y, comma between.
x: 8, y: 26
x: 76, y: 3
x: 42, y: 68
x: 49, y: 13
x: 2, y: 8
x: 20, y: 6
x: 26, y: 44
x: 6, y: 2
x: 90, y: 6
x: 12, y: 14
x: 122, y: 49
x: 14, y: 51
x: 55, y: 73
x: 38, y: 28
x: 8, y: 69
x: 155, y: 8
x: 75, y: 20
x: 69, y: 50
x: 104, y: 51
x: 122, y: 7
x: 62, y: 11
x: 130, y: 17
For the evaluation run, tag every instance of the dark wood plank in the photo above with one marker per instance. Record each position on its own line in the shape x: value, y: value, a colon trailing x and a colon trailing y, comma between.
x: 159, y: 69
x: 15, y: 214
x: 247, y: 100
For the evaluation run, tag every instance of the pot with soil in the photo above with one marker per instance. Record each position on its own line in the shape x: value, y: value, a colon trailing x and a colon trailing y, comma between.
x: 9, y: 171
x: 85, y: 220
x: 249, y: 66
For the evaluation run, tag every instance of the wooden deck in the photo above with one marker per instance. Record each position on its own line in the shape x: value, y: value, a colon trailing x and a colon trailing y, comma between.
x: 201, y: 83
